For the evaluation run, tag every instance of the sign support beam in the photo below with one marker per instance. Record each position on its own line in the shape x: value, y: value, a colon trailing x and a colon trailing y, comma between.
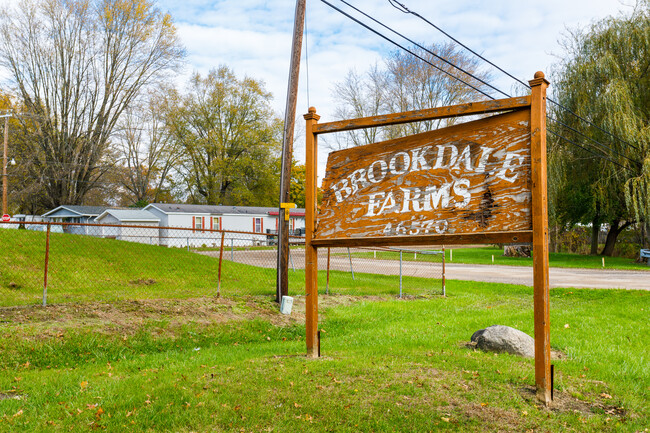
x: 540, y: 238
x: 311, y: 253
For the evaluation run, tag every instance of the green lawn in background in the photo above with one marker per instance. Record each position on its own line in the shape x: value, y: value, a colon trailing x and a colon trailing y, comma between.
x: 483, y: 256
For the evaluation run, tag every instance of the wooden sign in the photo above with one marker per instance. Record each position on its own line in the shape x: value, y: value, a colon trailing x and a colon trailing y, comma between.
x: 464, y: 179
x: 478, y: 182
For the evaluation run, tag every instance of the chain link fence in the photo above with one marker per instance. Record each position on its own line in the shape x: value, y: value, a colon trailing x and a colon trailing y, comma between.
x: 70, y: 262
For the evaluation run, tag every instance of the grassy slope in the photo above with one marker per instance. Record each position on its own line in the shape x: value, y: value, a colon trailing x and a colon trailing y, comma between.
x: 389, y: 366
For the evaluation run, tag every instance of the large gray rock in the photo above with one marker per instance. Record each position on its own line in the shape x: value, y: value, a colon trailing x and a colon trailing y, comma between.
x: 499, y: 338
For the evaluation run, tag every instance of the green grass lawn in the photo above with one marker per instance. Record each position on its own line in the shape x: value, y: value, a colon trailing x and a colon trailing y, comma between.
x: 119, y: 352
x: 483, y: 256
x: 387, y: 365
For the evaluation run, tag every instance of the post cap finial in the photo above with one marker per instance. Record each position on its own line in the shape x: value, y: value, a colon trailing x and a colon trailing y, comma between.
x: 539, y: 74
x: 312, y: 114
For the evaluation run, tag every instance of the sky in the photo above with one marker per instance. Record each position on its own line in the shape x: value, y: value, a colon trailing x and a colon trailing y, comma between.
x: 253, y: 38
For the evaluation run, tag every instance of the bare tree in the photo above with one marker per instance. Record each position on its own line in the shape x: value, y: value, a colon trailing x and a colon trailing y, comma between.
x: 360, y: 96
x: 77, y: 65
x: 407, y: 83
x: 145, y: 151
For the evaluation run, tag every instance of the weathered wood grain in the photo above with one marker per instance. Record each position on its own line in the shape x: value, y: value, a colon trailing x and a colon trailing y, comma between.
x: 466, y: 179
x: 467, y: 109
x: 449, y: 239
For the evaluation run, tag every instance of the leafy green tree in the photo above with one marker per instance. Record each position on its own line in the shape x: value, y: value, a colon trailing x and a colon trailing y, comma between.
x: 298, y: 183
x: 604, y: 77
x: 229, y: 137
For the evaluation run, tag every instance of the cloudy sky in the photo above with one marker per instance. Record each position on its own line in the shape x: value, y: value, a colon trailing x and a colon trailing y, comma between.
x: 253, y: 37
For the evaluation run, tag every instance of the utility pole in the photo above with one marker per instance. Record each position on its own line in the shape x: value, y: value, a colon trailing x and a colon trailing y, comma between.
x: 287, y: 152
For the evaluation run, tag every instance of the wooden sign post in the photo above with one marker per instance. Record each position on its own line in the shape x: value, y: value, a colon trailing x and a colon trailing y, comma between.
x: 482, y: 181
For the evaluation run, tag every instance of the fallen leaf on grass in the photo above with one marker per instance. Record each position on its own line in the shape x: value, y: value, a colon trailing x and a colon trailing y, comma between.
x: 19, y: 413
x: 605, y: 395
x: 445, y: 419
x: 83, y: 384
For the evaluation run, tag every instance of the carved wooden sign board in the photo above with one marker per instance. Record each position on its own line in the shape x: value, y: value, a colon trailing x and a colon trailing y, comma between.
x: 483, y: 181
x: 468, y: 179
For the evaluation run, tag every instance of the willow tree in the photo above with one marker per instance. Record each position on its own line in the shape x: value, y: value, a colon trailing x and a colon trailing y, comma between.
x: 605, y: 78
x: 77, y: 65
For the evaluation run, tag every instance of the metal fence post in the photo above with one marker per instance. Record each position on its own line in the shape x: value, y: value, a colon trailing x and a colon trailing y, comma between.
x: 47, y: 263
x: 444, y: 292
x: 291, y: 259
x: 223, y: 235
x: 188, y: 244
x: 327, y: 283
x: 350, y: 257
x: 400, y: 273
x: 232, y: 249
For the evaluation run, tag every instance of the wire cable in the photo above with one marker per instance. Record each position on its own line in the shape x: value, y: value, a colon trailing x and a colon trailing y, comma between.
x: 426, y: 49
x: 404, y: 48
x: 603, y: 147
x: 402, y: 8
x: 588, y: 150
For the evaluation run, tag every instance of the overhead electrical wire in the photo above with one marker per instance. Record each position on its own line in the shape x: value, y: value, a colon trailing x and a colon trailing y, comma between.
x: 404, y: 48
x: 402, y: 8
x: 587, y: 149
x: 427, y: 50
x: 475, y: 77
x: 602, y: 147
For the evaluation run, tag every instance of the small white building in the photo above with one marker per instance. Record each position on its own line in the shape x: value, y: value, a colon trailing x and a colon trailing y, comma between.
x: 201, y: 219
x: 146, y: 232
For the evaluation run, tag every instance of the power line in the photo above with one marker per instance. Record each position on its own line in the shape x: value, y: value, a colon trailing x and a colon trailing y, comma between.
x: 588, y: 150
x: 471, y: 75
x: 426, y: 49
x: 602, y: 146
x: 402, y: 8
x: 405, y: 49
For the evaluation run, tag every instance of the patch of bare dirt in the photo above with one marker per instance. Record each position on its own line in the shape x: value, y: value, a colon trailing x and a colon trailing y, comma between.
x: 128, y: 316
x: 564, y: 402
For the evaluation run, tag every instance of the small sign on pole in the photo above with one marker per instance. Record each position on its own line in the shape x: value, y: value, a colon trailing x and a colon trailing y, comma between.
x: 6, y: 218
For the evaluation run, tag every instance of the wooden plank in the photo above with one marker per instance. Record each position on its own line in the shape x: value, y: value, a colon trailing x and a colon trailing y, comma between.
x: 540, y: 239
x: 311, y: 255
x: 450, y: 239
x: 468, y: 109
x: 468, y: 178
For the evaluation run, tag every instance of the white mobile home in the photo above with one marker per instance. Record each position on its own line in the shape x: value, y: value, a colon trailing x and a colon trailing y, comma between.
x: 200, y: 219
x: 147, y: 231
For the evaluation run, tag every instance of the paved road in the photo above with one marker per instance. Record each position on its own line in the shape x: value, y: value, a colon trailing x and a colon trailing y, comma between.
x: 559, y: 277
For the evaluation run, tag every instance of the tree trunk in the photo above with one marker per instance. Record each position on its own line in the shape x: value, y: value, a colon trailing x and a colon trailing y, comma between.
x: 612, y: 235
x: 595, y: 231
